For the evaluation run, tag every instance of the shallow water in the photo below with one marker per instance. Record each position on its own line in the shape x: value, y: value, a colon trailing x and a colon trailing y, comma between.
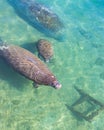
x: 78, y: 61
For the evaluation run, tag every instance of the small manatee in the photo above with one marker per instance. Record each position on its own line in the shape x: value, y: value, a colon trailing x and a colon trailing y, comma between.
x: 45, y: 49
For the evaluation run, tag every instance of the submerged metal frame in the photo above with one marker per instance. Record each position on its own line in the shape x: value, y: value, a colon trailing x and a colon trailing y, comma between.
x: 84, y: 97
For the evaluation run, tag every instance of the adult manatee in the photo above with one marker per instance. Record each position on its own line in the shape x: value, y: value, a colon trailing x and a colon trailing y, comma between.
x: 39, y: 16
x: 28, y: 65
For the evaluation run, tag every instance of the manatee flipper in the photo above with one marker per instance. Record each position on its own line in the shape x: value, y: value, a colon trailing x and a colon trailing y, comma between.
x: 35, y: 85
x: 39, y: 55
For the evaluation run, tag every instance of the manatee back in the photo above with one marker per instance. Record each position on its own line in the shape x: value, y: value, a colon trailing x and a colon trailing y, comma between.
x: 26, y: 63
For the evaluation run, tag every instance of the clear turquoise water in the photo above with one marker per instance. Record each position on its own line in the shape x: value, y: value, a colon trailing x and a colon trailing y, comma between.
x: 79, y: 60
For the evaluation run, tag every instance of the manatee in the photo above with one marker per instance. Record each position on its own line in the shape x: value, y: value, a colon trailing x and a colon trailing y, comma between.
x: 28, y: 65
x: 39, y: 16
x: 45, y: 49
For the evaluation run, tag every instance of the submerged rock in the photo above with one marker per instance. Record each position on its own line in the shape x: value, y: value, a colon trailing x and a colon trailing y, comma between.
x: 28, y: 65
x: 99, y: 61
x: 45, y: 49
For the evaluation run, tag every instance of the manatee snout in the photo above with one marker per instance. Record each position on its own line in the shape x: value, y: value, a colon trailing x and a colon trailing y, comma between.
x: 56, y: 85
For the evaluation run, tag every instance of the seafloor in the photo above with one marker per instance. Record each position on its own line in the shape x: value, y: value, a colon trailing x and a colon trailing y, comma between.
x: 78, y: 61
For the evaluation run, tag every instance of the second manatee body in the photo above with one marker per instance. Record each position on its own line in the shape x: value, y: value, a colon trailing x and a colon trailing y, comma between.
x: 40, y: 16
x: 28, y: 65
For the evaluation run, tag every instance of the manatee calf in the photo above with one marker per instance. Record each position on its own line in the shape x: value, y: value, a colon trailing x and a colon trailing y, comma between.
x: 28, y: 65
x: 45, y: 49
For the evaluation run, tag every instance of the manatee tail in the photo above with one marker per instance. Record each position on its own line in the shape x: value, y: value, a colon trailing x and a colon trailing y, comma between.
x: 3, y: 46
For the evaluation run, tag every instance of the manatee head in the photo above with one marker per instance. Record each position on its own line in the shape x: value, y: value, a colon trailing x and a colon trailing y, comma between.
x: 56, y: 84
x: 52, y: 81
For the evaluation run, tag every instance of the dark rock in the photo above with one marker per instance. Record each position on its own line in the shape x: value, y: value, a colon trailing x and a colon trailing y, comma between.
x: 102, y: 75
x: 99, y: 61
